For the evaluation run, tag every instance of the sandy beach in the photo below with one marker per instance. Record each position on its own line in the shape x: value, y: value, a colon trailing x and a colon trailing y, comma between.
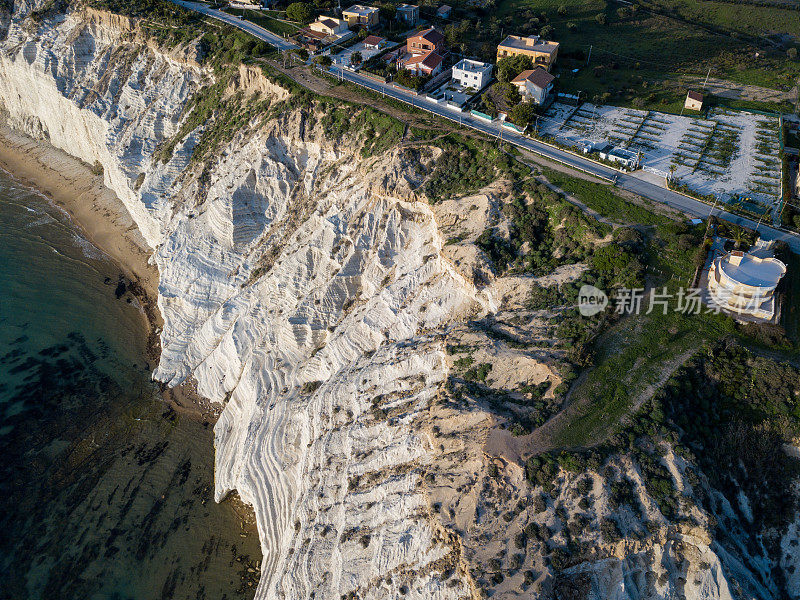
x: 104, y: 220
x: 94, y: 208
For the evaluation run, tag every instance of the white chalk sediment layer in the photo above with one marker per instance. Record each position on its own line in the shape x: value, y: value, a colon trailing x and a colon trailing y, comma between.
x: 310, y: 352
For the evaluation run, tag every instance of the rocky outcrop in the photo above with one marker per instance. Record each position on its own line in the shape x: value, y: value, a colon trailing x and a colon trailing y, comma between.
x: 306, y: 289
x: 296, y: 287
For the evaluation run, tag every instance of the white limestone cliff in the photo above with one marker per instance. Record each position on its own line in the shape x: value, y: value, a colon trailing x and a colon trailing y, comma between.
x: 299, y: 353
x: 303, y: 287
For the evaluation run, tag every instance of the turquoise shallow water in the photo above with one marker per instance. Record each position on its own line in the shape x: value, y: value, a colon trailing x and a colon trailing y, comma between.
x: 105, y: 492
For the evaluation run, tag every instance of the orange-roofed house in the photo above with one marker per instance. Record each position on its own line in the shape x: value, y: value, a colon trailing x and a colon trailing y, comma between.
x: 425, y: 64
x: 429, y: 40
x: 534, y: 84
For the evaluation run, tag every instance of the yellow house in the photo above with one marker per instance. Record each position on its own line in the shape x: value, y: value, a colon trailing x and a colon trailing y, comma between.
x: 543, y: 52
x: 365, y: 16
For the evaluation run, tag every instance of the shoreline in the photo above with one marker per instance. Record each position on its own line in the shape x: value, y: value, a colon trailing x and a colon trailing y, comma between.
x: 103, y: 219
x: 95, y: 210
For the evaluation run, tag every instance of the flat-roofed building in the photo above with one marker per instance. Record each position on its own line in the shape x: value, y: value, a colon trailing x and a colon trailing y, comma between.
x: 542, y: 52
x: 744, y: 284
x: 472, y: 73
x: 360, y: 15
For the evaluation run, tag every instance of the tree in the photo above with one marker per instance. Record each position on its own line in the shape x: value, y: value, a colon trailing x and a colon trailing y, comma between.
x: 356, y: 58
x: 546, y: 32
x: 302, y: 54
x: 562, y: 10
x: 324, y: 60
x: 791, y: 53
x: 511, y: 66
x: 601, y: 19
x: 511, y: 94
x: 523, y: 114
x: 300, y: 12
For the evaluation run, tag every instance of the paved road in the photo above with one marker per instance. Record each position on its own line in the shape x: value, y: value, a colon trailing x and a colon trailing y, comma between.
x: 251, y: 28
x: 622, y: 180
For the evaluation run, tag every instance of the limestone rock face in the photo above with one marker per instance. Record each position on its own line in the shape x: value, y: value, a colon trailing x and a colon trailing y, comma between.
x: 305, y: 289
x: 296, y: 287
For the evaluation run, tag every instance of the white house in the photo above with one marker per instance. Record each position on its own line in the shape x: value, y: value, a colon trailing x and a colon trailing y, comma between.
x: 424, y: 64
x: 744, y: 284
x: 472, y: 73
x: 534, y: 84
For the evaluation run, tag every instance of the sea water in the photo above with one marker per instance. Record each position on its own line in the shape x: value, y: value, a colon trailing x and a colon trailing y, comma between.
x: 105, y: 491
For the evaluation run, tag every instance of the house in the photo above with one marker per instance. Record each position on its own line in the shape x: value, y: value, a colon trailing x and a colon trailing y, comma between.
x: 744, y: 284
x: 472, y: 73
x: 424, y: 64
x: 362, y: 16
x: 309, y: 39
x: 408, y: 14
x: 622, y: 156
x: 694, y: 101
x: 542, y: 52
x: 444, y: 11
x: 373, y: 42
x: 534, y: 84
x: 329, y: 25
x: 429, y: 40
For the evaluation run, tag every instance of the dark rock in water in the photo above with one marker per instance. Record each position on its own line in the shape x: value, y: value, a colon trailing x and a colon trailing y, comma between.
x: 121, y: 289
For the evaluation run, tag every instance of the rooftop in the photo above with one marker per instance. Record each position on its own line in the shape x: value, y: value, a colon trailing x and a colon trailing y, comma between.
x: 430, y: 35
x: 538, y: 77
x: 465, y: 64
x: 361, y: 10
x: 695, y: 96
x: 406, y: 7
x: 372, y: 40
x: 313, y: 34
x: 751, y: 270
x: 623, y: 153
x: 533, y: 43
x: 430, y: 60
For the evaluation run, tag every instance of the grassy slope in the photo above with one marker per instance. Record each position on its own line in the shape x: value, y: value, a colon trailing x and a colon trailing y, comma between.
x: 267, y: 20
x: 642, y: 350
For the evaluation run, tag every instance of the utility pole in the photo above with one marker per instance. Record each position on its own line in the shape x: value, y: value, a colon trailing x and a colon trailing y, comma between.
x: 590, y: 55
x: 707, y: 75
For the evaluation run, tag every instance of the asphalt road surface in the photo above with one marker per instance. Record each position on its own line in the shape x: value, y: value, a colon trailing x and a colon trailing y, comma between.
x: 251, y: 28
x: 622, y: 180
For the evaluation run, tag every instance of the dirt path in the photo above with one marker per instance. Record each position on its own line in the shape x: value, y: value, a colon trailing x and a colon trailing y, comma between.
x: 310, y: 79
x: 500, y: 442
